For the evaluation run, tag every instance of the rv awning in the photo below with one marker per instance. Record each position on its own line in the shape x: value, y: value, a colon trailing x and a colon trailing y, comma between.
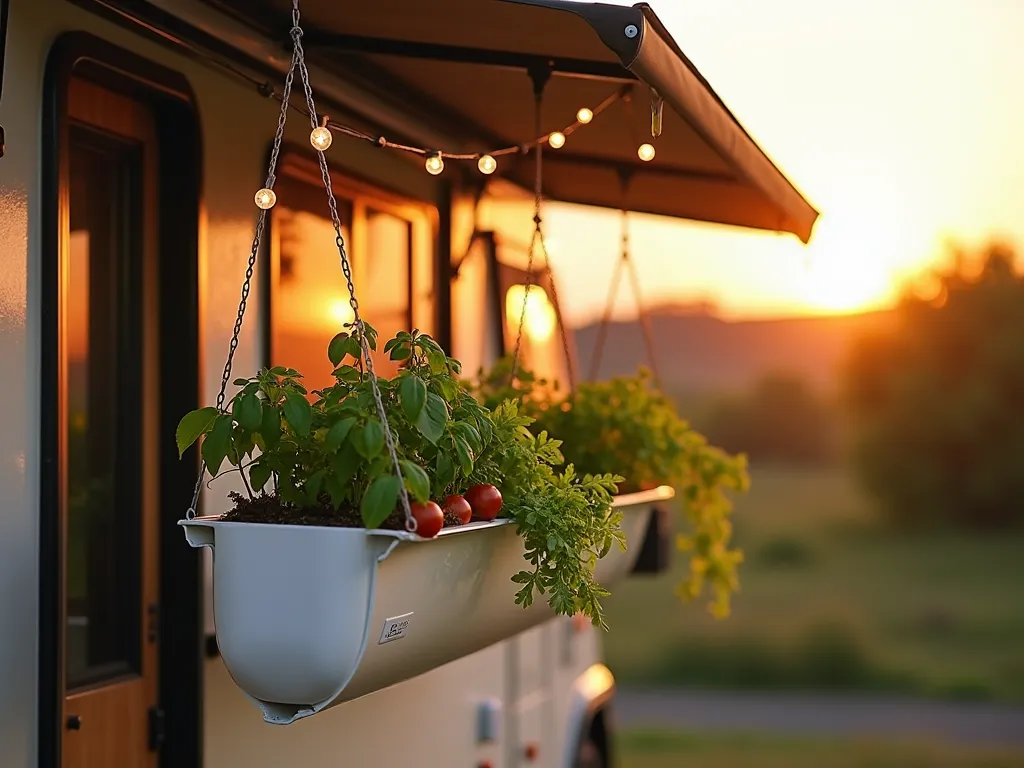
x: 465, y: 65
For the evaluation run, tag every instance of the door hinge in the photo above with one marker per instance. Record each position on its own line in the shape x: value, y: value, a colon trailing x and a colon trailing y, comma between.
x: 156, y: 728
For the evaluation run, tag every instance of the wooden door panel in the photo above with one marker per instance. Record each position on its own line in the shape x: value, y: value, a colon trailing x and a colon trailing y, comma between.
x: 112, y: 729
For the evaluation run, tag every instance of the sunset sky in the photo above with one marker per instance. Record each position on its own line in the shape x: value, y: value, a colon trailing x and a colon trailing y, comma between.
x: 901, y: 120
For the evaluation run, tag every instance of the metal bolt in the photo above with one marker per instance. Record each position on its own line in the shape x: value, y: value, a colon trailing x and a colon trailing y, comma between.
x: 632, y: 31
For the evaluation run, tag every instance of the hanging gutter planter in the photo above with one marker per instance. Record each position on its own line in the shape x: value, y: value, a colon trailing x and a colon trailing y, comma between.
x: 336, y: 574
x: 310, y: 617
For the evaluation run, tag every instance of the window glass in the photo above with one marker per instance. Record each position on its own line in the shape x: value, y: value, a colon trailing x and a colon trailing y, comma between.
x: 102, y: 361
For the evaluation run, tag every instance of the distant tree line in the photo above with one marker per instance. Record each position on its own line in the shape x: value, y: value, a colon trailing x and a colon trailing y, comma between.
x: 781, y: 419
x: 937, y: 400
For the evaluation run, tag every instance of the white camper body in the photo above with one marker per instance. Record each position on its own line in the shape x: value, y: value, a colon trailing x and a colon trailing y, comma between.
x: 132, y: 154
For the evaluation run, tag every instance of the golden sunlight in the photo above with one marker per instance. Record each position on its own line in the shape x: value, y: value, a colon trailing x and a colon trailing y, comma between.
x: 540, y: 314
x: 849, y: 269
x: 340, y: 312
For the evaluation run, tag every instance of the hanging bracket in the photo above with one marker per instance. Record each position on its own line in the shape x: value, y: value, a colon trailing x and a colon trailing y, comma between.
x: 539, y: 76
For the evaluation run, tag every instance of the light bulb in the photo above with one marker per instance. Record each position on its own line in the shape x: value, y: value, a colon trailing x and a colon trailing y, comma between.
x: 487, y: 164
x: 434, y: 164
x: 556, y: 139
x: 646, y: 152
x: 265, y: 199
x: 321, y: 138
x: 585, y: 115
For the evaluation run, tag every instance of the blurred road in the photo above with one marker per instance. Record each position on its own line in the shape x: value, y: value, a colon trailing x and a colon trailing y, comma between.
x: 821, y: 715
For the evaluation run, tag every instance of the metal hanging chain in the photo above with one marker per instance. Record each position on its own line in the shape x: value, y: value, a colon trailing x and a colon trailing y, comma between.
x: 645, y: 319
x: 602, y: 329
x: 538, y: 238
x: 625, y: 262
x: 257, y: 237
x: 533, y: 240
x: 570, y: 363
x: 410, y: 521
x: 298, y: 61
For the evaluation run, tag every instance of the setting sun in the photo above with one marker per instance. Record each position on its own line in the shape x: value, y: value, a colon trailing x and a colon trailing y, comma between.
x: 871, y: 140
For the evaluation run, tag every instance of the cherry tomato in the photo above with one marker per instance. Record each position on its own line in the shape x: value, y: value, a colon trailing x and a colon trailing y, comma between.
x: 485, y: 500
x: 429, y: 519
x: 458, y: 506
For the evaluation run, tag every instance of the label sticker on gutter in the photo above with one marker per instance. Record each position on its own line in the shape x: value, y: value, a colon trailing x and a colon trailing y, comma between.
x: 395, y: 629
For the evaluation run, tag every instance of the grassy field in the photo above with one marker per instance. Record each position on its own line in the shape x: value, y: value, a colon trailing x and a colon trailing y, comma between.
x: 831, y: 599
x: 686, y: 750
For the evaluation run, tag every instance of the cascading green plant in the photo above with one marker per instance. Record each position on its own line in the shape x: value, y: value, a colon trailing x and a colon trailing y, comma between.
x: 627, y: 426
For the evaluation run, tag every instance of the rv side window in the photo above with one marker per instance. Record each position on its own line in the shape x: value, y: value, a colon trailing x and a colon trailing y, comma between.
x: 387, y: 242
x: 103, y: 439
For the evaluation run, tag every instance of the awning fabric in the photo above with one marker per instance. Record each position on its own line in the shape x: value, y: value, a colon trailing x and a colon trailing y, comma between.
x: 464, y: 65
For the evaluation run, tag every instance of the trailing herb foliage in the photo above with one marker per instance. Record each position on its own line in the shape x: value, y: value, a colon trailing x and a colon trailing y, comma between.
x: 627, y: 426
x: 325, y: 452
x: 567, y: 521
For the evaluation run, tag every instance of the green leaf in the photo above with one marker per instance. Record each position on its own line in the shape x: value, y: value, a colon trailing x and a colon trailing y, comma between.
x: 298, y: 412
x: 192, y: 425
x: 217, y: 444
x: 437, y: 360
x: 401, y: 352
x: 352, y: 347
x: 469, y: 433
x: 444, y: 470
x: 465, y: 456
x: 341, y: 345
x: 249, y: 412
x: 416, y: 480
x: 371, y: 335
x: 346, y: 373
x: 432, y: 418
x: 337, y: 433
x: 448, y: 388
x: 336, y: 488
x: 346, y: 463
x: 379, y: 500
x: 313, y: 485
x: 270, y: 426
x: 369, y: 440
x: 259, y: 474
x: 413, y: 394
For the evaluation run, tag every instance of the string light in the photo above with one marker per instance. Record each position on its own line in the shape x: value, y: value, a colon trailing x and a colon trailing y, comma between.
x: 584, y: 115
x: 265, y: 199
x: 645, y: 152
x: 434, y: 164
x: 321, y: 137
x: 487, y: 165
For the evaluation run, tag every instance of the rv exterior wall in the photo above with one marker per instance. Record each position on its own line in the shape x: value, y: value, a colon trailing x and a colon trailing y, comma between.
x: 392, y: 727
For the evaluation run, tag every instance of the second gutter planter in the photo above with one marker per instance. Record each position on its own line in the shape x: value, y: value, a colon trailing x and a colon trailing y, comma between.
x: 309, y: 617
